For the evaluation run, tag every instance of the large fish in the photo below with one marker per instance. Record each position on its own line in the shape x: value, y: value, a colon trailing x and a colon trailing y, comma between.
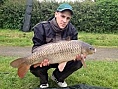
x: 59, y: 52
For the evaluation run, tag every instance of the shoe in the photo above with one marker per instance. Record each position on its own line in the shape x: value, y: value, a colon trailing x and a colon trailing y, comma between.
x: 44, y: 85
x: 60, y: 84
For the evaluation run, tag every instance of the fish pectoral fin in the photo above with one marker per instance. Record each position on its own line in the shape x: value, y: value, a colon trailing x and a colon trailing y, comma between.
x: 22, y: 70
x: 83, y: 62
x: 61, y: 66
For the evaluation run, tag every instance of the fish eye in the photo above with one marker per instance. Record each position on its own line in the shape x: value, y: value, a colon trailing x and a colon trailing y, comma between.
x: 90, y: 48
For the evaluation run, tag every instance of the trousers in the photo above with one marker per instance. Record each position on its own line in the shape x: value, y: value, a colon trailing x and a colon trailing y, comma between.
x: 42, y: 72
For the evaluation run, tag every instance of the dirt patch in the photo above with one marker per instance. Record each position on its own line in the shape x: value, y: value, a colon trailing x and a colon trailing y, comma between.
x: 101, y: 53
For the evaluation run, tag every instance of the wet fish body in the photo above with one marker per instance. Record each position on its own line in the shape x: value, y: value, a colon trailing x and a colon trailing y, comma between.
x: 58, y: 52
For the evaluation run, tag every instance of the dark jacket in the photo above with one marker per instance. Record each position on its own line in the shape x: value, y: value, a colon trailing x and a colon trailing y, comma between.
x: 44, y: 33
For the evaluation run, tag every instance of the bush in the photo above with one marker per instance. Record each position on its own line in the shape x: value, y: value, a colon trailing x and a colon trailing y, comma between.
x: 100, y: 16
x: 107, y: 16
x: 97, y: 17
x: 12, y: 13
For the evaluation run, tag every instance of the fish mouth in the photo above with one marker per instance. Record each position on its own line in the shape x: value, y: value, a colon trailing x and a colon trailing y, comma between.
x: 94, y: 50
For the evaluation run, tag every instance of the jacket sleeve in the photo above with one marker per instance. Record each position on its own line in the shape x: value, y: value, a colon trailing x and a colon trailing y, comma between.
x: 74, y: 33
x: 38, y: 38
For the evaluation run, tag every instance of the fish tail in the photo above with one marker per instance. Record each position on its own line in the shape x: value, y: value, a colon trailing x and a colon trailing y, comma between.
x: 16, y: 63
x: 22, y: 70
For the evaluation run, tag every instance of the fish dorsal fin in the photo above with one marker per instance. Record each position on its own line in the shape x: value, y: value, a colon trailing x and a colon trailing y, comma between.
x: 61, y: 66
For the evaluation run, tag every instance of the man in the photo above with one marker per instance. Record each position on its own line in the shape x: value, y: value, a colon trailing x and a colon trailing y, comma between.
x: 58, y: 28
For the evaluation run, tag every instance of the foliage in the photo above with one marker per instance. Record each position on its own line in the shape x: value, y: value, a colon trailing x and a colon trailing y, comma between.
x: 2, y: 1
x: 12, y: 13
x: 100, y: 16
x: 97, y: 17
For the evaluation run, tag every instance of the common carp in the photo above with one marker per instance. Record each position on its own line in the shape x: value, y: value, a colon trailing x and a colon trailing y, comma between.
x: 59, y: 52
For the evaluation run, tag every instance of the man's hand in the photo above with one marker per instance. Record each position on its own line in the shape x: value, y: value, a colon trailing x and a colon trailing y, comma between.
x: 82, y: 58
x: 45, y: 62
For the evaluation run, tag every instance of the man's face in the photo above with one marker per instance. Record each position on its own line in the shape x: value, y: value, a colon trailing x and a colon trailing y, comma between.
x: 63, y: 18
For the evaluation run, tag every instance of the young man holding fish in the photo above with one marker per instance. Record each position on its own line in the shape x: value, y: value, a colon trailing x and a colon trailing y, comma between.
x: 56, y: 29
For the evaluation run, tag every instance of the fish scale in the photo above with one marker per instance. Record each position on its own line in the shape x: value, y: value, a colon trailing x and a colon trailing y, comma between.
x: 59, y: 52
x: 66, y: 50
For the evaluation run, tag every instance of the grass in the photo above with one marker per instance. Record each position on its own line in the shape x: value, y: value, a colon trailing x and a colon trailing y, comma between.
x: 98, y: 39
x: 97, y: 73
x: 15, y: 38
x: 19, y: 38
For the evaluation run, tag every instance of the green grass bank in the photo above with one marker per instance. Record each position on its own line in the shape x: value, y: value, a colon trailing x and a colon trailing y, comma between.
x: 97, y: 73
x: 19, y: 38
